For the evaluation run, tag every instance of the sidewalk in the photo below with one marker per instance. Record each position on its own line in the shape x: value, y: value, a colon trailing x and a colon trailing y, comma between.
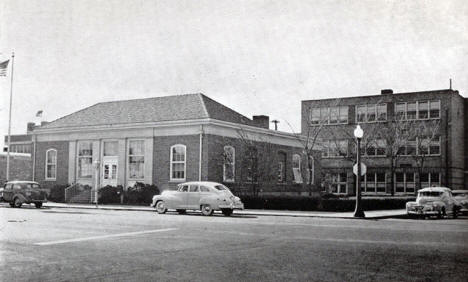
x: 369, y: 214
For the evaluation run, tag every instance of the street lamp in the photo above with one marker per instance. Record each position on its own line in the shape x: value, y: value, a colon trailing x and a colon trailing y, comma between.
x: 358, y: 133
x: 96, y: 181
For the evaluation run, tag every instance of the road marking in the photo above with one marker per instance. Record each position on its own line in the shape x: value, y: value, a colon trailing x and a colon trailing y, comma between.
x: 387, y: 242
x: 103, y: 237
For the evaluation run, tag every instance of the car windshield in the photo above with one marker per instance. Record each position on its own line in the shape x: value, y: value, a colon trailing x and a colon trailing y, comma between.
x: 430, y: 194
x: 459, y: 194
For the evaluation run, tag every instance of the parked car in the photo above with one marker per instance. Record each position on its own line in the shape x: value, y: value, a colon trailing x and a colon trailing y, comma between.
x: 462, y: 197
x: 204, y: 196
x: 1, y: 194
x: 433, y: 201
x: 18, y: 193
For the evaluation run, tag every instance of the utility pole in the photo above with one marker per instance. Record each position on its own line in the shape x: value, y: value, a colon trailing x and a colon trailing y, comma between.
x: 275, y: 121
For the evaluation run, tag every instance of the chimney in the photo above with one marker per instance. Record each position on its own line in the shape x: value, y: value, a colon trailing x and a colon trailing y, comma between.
x: 386, y: 91
x: 30, y: 127
x: 261, y: 121
x: 44, y: 123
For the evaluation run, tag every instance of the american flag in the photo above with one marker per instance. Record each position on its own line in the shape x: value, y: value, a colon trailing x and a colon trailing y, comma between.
x: 3, y: 68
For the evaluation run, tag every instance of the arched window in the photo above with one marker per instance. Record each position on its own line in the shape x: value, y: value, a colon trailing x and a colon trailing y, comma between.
x: 296, y: 166
x: 51, y: 164
x: 178, y: 161
x: 229, y: 164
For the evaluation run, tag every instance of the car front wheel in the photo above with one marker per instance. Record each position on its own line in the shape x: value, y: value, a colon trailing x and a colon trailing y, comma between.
x: 207, y: 210
x: 17, y: 203
x: 161, y: 207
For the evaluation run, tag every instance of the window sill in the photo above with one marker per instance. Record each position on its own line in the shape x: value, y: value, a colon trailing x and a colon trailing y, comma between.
x: 177, y: 180
x: 50, y: 179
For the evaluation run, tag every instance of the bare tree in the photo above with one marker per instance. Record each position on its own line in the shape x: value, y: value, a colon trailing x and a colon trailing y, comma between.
x: 423, y: 134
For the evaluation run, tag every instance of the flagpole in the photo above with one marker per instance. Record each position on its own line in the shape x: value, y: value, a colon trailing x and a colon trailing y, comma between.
x: 9, y: 118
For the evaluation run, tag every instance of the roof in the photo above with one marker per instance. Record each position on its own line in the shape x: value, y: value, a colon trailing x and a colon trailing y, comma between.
x: 435, y: 189
x: 157, y: 109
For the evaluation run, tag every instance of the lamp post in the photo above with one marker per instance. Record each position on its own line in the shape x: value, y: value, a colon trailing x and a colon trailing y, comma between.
x: 358, y: 133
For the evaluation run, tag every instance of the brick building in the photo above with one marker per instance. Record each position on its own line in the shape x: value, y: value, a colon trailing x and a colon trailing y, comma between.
x: 166, y: 141
x: 431, y: 127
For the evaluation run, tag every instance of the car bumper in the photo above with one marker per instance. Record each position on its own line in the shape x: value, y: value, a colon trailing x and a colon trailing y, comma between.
x: 234, y: 206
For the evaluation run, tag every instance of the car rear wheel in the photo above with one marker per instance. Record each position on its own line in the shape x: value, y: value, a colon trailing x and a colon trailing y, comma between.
x: 161, y: 207
x: 17, y: 203
x: 227, y: 212
x: 181, y: 211
x: 38, y: 205
x: 207, y: 210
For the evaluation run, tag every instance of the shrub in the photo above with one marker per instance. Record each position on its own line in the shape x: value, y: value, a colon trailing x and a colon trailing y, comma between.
x: 140, y: 193
x: 307, y: 203
x: 110, y: 194
x: 56, y: 193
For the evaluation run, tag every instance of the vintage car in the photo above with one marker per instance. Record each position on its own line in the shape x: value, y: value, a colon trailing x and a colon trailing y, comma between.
x: 18, y: 193
x: 204, y: 196
x: 433, y: 201
x: 462, y: 197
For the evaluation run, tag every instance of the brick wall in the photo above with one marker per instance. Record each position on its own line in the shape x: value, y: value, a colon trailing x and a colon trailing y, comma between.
x: 20, y: 168
x: 267, y: 166
x: 62, y: 162
x: 161, y: 159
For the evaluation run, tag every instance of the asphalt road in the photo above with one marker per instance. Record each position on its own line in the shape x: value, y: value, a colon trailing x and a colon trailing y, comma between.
x: 61, y: 244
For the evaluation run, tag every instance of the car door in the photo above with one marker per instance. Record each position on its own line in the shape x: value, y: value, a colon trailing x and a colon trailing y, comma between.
x: 450, y: 200
x: 193, y: 198
x: 180, y: 200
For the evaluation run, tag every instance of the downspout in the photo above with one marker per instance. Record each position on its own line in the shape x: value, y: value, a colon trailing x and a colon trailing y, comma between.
x: 446, y: 149
x: 34, y: 159
x: 200, y: 157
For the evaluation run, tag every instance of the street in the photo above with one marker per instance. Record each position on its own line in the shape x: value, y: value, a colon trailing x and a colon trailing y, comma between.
x: 65, y: 244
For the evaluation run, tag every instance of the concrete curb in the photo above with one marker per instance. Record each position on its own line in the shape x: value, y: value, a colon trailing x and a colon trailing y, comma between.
x: 244, y: 212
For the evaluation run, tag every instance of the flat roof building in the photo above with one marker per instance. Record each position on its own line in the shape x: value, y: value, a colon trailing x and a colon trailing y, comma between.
x: 411, y: 140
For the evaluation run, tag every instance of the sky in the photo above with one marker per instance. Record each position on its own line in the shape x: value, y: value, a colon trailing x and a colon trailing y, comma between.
x: 257, y: 57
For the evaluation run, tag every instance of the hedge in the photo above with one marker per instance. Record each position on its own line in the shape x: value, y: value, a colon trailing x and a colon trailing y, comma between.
x: 140, y: 193
x: 307, y: 203
x: 56, y: 193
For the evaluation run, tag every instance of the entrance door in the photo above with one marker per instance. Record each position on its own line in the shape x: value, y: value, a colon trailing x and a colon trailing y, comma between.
x: 109, y: 171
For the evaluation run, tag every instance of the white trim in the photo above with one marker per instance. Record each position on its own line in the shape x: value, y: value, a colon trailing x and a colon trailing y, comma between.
x: 171, y: 162
x: 233, y: 165
x: 47, y: 163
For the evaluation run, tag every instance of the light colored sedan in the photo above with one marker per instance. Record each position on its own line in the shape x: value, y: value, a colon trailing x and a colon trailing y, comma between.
x: 462, y: 197
x: 431, y: 201
x: 204, y: 196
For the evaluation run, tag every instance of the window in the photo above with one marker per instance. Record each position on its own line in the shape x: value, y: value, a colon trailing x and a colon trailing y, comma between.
x: 310, y: 171
x: 193, y: 188
x: 429, y: 179
x: 423, y: 110
x: 338, y: 183
x: 251, y: 164
x: 51, y: 164
x: 281, y: 167
x: 296, y: 166
x: 178, y: 161
x: 382, y: 112
x: 85, y: 159
x: 434, y: 146
x: 434, y: 109
x: 229, y: 164
x: 373, y: 183
x: 361, y: 113
x: 418, y: 110
x: 315, y: 116
x: 329, y: 115
x: 335, y: 148
x: 404, y: 182
x: 136, y: 159
x: 376, y: 148
x: 371, y: 113
x: 400, y: 111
